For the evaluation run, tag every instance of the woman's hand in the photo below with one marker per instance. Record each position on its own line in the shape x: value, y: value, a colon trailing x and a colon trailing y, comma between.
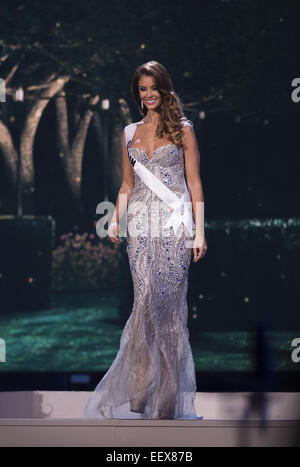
x: 113, y: 232
x: 199, y: 248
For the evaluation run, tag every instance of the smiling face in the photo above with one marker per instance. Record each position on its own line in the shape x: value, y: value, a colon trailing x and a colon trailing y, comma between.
x: 149, y: 93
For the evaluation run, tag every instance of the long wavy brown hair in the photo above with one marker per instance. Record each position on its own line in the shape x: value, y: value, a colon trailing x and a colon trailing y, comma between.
x: 172, y: 118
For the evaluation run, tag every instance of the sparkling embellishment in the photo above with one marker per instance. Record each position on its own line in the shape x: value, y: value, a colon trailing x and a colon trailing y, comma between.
x: 154, y: 370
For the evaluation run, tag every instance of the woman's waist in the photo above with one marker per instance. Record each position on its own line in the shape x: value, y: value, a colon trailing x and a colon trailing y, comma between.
x: 146, y: 194
x: 179, y: 187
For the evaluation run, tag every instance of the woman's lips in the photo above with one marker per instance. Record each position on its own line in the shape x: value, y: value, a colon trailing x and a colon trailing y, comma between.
x: 151, y: 102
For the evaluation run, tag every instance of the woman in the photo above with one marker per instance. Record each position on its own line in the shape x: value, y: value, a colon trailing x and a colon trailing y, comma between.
x: 153, y: 374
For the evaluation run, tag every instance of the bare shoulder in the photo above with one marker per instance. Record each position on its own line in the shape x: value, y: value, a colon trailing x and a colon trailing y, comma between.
x: 134, y: 123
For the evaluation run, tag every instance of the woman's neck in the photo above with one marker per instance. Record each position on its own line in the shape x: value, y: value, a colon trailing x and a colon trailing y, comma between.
x: 152, y: 117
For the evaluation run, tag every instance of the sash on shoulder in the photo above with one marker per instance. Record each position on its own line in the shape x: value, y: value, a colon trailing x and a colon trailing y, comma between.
x: 182, y: 207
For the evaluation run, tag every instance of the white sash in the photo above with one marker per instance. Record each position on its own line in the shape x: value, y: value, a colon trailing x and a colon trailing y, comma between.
x: 182, y: 207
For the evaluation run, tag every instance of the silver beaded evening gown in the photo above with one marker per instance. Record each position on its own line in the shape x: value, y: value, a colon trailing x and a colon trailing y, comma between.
x: 153, y: 374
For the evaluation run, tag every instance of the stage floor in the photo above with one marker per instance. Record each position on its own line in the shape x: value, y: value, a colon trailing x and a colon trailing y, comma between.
x: 54, y: 418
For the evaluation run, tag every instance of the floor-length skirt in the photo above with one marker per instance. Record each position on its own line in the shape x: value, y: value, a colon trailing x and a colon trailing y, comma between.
x: 153, y: 374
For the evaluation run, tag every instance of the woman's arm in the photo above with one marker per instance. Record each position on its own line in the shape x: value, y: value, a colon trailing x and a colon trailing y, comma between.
x: 125, y: 190
x: 192, y: 169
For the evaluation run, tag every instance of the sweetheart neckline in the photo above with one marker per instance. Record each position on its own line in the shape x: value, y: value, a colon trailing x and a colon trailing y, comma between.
x: 162, y: 146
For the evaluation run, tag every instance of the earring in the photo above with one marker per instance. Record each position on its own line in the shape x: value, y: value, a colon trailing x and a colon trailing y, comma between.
x: 142, y: 104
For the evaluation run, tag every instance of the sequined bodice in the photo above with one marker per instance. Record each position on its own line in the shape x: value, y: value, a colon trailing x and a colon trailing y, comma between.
x: 167, y: 164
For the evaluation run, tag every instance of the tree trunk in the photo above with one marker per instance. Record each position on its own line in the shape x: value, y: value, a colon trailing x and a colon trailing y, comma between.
x: 71, y: 157
x: 27, y: 140
x: 8, y: 195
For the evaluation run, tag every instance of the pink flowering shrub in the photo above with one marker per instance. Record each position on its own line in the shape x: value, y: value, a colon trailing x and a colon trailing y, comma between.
x: 84, y: 262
